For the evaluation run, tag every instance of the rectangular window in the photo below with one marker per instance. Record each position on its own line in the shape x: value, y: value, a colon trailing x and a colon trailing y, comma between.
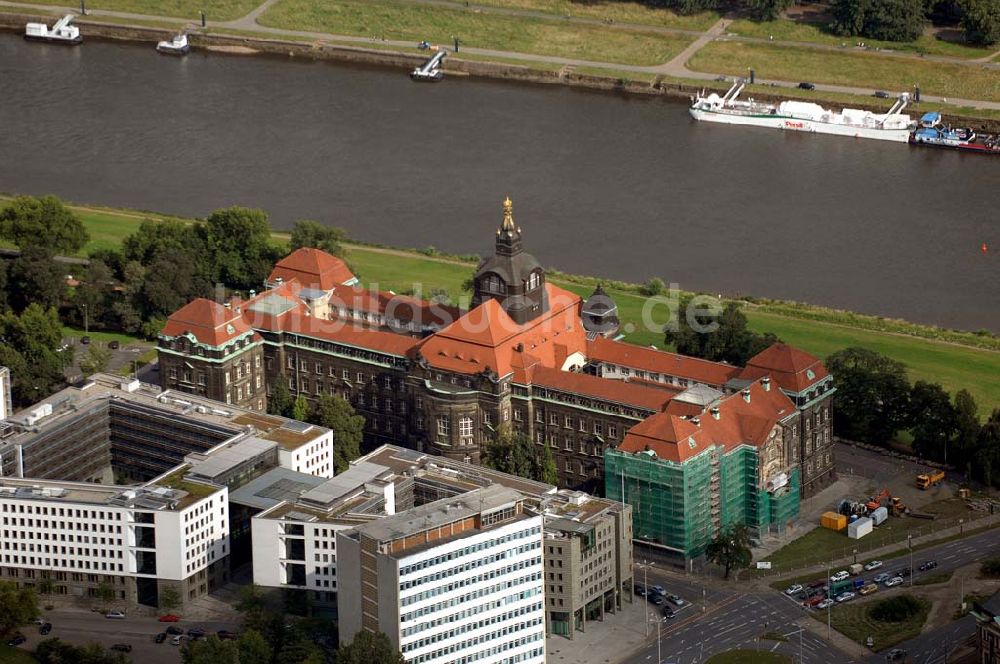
x: 444, y: 425
x: 319, y: 368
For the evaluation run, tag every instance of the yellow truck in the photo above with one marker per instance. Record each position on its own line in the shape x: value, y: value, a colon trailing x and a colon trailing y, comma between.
x: 927, y: 480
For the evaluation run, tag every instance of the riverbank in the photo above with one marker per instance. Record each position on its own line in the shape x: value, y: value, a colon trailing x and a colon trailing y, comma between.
x: 556, y: 71
x: 953, y: 358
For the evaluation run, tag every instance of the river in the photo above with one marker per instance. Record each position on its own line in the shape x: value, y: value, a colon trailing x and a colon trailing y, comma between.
x: 625, y: 188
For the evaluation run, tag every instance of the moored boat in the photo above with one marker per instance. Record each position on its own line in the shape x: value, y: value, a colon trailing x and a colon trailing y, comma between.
x: 933, y: 133
x: 62, y: 32
x: 177, y: 46
x: 803, y: 116
x: 430, y: 70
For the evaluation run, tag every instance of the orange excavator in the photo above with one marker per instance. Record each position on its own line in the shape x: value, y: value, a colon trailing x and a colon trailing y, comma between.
x: 875, y: 501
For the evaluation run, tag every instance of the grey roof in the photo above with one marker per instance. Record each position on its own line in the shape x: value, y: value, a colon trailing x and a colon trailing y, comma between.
x: 272, y: 304
x: 346, y: 482
x: 311, y: 293
x: 439, y: 513
x: 275, y: 486
x: 512, y: 269
x: 232, y: 456
x: 699, y: 394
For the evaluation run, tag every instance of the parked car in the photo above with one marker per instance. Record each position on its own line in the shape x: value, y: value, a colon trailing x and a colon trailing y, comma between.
x: 818, y: 584
x: 196, y: 632
x: 825, y: 604
x: 640, y: 591
x: 815, y: 600
x: 882, y: 577
x: 930, y: 564
x: 225, y: 634
x: 676, y: 600
x: 894, y: 581
x: 875, y: 564
x: 118, y: 615
x: 668, y: 612
x: 122, y: 647
x: 39, y: 621
x: 656, y: 599
x: 174, y: 631
x: 169, y: 618
x: 161, y: 637
x: 840, y: 576
x: 806, y: 85
x: 85, y: 340
x: 177, y: 639
x: 895, y: 654
x: 868, y: 589
x: 846, y: 596
x: 45, y: 629
x: 113, y: 344
x: 657, y: 589
x: 793, y: 589
x: 882, y: 94
x: 17, y: 640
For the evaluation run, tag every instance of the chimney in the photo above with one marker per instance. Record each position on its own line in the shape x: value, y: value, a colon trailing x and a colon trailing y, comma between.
x: 253, y: 293
x: 746, y: 394
x: 766, y: 382
x: 715, y: 412
x: 228, y: 305
x: 695, y: 421
x: 279, y: 280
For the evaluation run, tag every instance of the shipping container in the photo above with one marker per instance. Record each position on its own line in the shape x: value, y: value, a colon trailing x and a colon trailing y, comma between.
x: 879, y: 516
x: 859, y: 528
x: 833, y: 521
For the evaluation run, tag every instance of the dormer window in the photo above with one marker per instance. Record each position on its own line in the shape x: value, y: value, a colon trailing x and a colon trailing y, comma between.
x: 533, y: 281
x: 494, y: 284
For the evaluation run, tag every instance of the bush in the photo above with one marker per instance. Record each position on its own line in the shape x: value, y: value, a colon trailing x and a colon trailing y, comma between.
x: 896, y: 609
x: 990, y: 568
x: 652, y: 287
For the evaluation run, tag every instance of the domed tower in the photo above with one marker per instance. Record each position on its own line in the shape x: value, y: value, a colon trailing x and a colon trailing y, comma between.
x: 512, y: 277
x: 600, y: 315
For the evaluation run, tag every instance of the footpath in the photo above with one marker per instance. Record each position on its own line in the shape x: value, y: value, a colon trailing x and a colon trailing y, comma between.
x: 676, y: 67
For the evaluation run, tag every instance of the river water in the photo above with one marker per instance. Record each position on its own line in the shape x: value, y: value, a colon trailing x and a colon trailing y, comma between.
x: 606, y: 185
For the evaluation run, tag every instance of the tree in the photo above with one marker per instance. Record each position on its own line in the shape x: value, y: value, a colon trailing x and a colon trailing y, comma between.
x: 932, y: 420
x: 211, y: 650
x: 18, y: 606
x: 308, y: 233
x: 280, y: 402
x: 348, y: 428
x: 44, y: 223
x: 30, y: 345
x: 730, y: 549
x: 512, y: 452
x: 253, y: 649
x: 767, y: 10
x: 547, y: 471
x: 105, y: 592
x: 368, y: 648
x: 653, y: 286
x: 239, y: 242
x: 988, y: 451
x: 729, y: 339
x: 251, y: 599
x: 967, y: 431
x: 35, y: 277
x: 300, y: 409
x: 981, y: 21
x: 46, y: 586
x: 97, y: 359
x: 872, y: 395
x: 889, y: 20
x: 170, y: 598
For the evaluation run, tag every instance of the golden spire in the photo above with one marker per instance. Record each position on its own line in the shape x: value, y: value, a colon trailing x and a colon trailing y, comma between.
x: 508, y: 216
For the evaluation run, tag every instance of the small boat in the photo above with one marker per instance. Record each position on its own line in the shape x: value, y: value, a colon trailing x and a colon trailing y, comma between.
x: 430, y: 70
x: 933, y: 133
x: 60, y: 33
x: 177, y: 46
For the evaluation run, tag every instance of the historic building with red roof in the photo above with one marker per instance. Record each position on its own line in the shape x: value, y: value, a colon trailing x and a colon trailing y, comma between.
x: 528, y: 356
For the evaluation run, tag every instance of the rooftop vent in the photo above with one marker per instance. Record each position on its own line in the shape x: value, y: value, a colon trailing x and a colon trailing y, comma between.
x: 695, y: 421
x: 715, y: 412
x: 766, y: 382
x: 746, y: 395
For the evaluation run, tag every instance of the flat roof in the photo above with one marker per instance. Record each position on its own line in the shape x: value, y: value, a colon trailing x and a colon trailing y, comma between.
x: 219, y: 461
x: 157, y: 495
x: 273, y: 487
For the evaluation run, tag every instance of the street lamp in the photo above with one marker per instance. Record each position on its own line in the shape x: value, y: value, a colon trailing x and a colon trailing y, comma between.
x: 909, y: 545
x: 658, y: 621
x: 645, y: 566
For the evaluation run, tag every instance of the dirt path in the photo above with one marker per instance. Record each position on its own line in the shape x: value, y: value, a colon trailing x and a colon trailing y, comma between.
x: 947, y: 596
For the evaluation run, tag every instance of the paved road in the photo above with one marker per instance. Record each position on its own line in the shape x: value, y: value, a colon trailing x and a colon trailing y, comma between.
x: 933, y: 647
x: 82, y: 627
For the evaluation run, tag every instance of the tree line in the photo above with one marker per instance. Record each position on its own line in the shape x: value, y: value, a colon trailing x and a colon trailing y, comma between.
x: 330, y: 411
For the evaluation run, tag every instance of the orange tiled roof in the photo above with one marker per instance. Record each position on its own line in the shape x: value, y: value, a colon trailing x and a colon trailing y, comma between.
x: 210, y: 322
x: 739, y: 422
x: 658, y: 361
x: 402, y: 308
x: 792, y: 369
x: 313, y: 268
x: 486, y: 337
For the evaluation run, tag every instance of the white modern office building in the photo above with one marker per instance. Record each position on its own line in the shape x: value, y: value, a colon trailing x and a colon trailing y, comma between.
x: 454, y: 581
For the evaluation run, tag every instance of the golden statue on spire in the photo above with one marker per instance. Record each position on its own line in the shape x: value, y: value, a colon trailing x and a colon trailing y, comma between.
x: 508, y: 216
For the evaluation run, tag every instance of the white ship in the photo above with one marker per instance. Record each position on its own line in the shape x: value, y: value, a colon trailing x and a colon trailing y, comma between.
x: 804, y: 116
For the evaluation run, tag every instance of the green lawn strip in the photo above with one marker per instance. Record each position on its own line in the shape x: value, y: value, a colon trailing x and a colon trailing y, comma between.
x: 954, y: 366
x: 619, y: 12
x: 749, y: 657
x: 784, y: 29
x: 854, y: 621
x: 171, y: 25
x: 10, y: 655
x: 933, y: 579
x: 822, y: 544
x: 216, y: 10
x: 398, y: 19
x: 850, y: 69
x: 100, y: 337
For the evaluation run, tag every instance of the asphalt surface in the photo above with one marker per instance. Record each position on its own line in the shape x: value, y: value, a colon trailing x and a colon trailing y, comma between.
x: 728, y: 619
x: 82, y: 627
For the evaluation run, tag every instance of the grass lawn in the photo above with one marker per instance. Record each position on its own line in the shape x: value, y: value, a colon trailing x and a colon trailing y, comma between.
x: 397, y: 19
x: 10, y: 655
x: 216, y: 10
x: 749, y: 657
x: 934, y: 579
x: 854, y: 621
x: 854, y: 69
x: 103, y: 337
x: 784, y: 29
x: 822, y: 544
x: 619, y: 12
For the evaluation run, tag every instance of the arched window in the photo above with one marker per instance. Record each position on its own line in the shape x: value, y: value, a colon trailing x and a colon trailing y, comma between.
x: 533, y: 281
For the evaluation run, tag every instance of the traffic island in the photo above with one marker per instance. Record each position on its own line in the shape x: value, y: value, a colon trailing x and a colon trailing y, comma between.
x: 888, y: 622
